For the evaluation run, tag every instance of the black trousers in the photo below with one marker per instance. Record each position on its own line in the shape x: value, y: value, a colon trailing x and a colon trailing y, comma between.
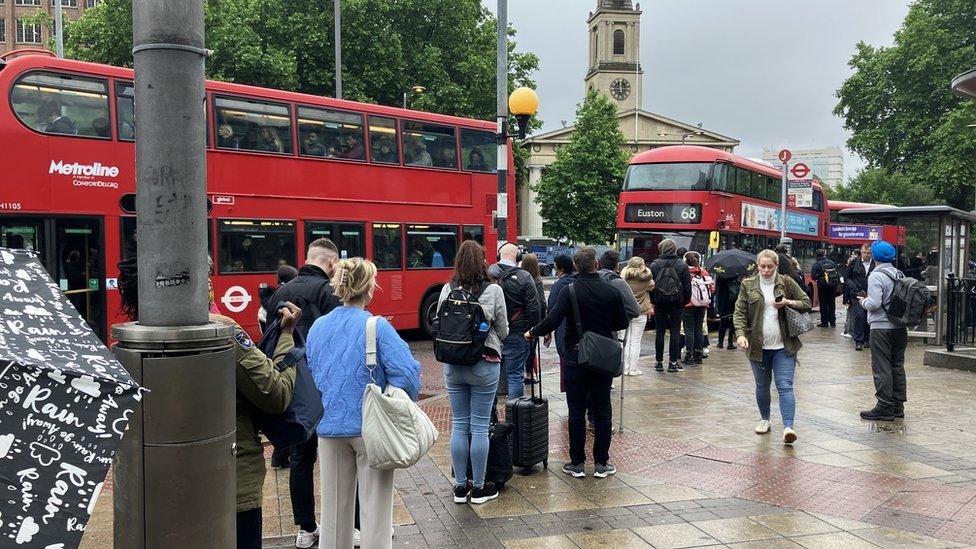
x: 888, y: 366
x: 586, y: 390
x: 300, y: 483
x: 860, y: 330
x: 828, y: 304
x: 249, y: 529
x: 725, y: 325
x: 667, y: 317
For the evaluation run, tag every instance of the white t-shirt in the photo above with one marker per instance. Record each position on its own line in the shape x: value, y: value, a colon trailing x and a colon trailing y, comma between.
x: 772, y: 338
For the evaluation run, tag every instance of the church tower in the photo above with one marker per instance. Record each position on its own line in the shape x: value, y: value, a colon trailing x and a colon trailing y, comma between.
x: 614, y: 67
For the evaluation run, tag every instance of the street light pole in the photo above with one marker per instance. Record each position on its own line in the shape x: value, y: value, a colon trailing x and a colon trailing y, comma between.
x: 501, y: 89
x: 59, y: 28
x: 338, y: 47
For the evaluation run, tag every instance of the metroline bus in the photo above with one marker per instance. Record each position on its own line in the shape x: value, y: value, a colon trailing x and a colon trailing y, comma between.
x: 400, y: 187
x: 687, y: 193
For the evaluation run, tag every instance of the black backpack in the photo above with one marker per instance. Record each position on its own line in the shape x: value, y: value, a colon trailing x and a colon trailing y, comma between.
x: 460, y: 328
x: 667, y: 286
x: 830, y: 277
x: 908, y: 301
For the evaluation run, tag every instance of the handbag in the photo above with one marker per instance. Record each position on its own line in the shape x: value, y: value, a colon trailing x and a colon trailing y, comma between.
x: 299, y: 420
x: 798, y: 322
x: 395, y: 431
x: 597, y: 353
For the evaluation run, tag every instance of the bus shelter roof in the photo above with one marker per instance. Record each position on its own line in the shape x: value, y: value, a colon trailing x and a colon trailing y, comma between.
x: 894, y: 212
x: 964, y: 85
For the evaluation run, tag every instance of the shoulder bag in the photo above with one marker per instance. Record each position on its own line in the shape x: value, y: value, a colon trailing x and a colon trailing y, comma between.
x: 597, y: 353
x: 395, y: 431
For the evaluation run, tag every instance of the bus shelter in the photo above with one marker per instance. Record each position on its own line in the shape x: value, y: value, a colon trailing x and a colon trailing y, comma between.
x: 936, y: 244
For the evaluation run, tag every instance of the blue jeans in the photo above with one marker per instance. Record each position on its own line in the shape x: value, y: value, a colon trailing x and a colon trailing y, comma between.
x: 779, y: 365
x: 515, y: 352
x: 472, y: 392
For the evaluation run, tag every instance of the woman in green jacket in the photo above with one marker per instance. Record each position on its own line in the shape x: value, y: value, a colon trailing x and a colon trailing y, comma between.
x: 760, y: 321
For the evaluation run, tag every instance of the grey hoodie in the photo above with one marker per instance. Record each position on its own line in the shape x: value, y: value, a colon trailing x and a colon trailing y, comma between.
x: 492, y: 300
x: 880, y: 287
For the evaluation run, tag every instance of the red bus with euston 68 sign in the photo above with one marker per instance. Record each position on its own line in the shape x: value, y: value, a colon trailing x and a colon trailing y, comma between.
x: 400, y: 187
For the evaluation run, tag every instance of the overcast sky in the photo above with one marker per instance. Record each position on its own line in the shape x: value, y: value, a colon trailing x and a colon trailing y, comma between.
x: 761, y: 71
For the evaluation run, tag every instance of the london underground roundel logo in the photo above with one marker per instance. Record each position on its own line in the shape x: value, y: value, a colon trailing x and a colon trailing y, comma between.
x: 236, y: 299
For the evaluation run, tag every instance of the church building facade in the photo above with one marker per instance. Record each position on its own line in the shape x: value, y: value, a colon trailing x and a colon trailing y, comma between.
x: 613, y: 69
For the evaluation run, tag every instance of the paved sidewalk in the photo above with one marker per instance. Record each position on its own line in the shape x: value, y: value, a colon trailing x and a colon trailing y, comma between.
x: 692, y: 472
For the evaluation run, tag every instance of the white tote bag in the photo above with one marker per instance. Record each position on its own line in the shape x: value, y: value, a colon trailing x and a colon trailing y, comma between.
x: 396, y: 432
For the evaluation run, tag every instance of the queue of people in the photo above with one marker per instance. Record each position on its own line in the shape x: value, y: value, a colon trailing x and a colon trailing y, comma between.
x: 325, y: 302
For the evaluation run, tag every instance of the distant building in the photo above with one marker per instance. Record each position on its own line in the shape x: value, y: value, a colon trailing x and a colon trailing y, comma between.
x: 17, y: 32
x: 827, y: 164
x: 613, y: 68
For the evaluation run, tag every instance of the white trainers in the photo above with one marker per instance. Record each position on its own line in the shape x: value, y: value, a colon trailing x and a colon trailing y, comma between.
x: 763, y: 427
x: 789, y: 435
x: 307, y: 540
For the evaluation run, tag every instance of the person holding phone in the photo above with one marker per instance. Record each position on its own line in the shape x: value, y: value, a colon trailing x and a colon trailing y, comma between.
x: 760, y: 321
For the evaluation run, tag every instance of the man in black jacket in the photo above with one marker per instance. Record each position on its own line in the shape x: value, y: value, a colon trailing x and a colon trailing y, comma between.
x: 671, y: 278
x: 821, y: 270
x: 312, y: 291
x: 601, y: 310
x: 856, y: 283
x: 522, y: 304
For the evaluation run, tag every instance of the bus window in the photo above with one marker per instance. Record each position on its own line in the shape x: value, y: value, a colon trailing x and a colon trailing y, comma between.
x: 479, y: 149
x: 387, y: 246
x: 252, y: 125
x: 333, y: 134
x: 431, y: 246
x: 62, y: 104
x: 125, y: 111
x: 255, y: 246
x: 473, y: 232
x: 383, y: 140
x: 350, y: 238
x: 720, y: 178
x: 686, y: 176
x: 429, y: 145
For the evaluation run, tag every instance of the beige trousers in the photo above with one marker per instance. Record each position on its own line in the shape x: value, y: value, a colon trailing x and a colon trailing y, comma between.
x: 342, y: 461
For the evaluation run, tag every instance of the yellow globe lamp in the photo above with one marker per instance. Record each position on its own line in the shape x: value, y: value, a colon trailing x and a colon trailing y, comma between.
x: 523, y: 103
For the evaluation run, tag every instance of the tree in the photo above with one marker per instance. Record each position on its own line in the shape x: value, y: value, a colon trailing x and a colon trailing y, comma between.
x: 448, y: 46
x: 880, y: 186
x: 898, y: 106
x: 579, y: 190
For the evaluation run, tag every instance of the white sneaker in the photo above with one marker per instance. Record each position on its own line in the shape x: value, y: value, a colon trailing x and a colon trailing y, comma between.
x: 789, y: 435
x: 357, y: 537
x: 307, y: 540
x: 763, y: 427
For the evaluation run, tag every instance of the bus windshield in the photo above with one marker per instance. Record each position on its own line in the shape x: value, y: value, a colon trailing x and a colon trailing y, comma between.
x: 685, y: 176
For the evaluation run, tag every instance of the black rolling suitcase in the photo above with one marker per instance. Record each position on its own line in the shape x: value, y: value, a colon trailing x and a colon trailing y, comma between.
x: 529, y: 416
x: 499, y: 468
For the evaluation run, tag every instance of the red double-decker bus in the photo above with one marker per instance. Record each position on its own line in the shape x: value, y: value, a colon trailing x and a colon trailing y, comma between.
x: 707, y: 199
x: 400, y: 187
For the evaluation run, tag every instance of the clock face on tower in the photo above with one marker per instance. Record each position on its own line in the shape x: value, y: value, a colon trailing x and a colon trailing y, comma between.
x: 620, y: 89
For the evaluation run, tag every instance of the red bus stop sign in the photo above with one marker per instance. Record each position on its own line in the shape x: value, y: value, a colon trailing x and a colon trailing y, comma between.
x: 785, y: 155
x: 801, y: 170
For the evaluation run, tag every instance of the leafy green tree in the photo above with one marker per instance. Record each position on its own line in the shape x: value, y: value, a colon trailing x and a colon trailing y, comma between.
x: 579, y: 190
x: 447, y: 46
x: 880, y: 186
x: 899, y: 108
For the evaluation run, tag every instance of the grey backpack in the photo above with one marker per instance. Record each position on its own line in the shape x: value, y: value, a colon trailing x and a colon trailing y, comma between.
x: 908, y: 301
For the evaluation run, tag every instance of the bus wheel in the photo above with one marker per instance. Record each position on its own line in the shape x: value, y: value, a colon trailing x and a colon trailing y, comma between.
x: 428, y: 309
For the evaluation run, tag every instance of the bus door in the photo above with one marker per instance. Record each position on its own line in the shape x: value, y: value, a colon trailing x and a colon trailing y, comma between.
x: 72, y: 251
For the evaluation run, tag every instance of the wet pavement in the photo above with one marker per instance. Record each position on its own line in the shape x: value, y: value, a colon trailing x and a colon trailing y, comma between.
x: 693, y: 473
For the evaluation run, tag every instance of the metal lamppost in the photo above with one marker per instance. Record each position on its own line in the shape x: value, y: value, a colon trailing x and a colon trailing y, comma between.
x: 415, y: 90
